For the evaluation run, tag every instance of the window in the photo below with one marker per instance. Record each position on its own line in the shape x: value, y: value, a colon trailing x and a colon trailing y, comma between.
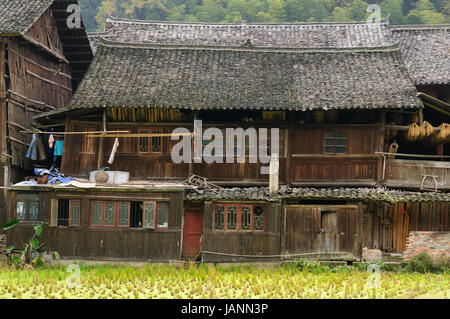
x: 135, y: 214
x: 151, y: 144
x: 335, y: 142
x: 65, y: 212
x: 27, y: 207
x: 238, y: 217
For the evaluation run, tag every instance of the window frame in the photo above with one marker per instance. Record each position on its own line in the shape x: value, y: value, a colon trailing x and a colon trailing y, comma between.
x: 150, y: 140
x: 334, y: 139
x: 239, y: 217
x: 27, y: 199
x: 116, y: 215
x: 52, y: 205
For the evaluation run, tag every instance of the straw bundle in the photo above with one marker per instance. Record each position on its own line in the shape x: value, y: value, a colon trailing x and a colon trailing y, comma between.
x: 443, y: 136
x: 426, y: 129
x: 414, y: 132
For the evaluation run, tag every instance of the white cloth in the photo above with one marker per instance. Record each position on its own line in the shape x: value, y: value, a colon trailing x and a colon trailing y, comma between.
x: 114, y: 150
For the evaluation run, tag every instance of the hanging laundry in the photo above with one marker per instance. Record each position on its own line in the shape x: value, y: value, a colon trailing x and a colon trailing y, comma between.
x: 114, y: 150
x: 31, y: 153
x: 40, y: 149
x: 51, y: 140
x: 59, y: 145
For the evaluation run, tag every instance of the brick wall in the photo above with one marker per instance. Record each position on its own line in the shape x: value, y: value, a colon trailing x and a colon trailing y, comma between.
x: 436, y: 244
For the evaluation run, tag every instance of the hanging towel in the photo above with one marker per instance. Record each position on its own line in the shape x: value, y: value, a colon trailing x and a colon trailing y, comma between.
x: 59, y: 144
x: 40, y: 149
x: 114, y: 150
x: 51, y: 140
x: 31, y: 147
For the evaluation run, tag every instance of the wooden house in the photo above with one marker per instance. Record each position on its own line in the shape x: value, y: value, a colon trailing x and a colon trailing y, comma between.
x: 42, y: 62
x: 330, y: 89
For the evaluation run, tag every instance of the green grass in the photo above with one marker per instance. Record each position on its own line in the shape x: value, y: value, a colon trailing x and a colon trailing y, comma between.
x: 153, y: 281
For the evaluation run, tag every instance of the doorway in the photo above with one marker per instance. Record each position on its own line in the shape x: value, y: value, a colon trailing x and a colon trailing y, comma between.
x: 192, y: 232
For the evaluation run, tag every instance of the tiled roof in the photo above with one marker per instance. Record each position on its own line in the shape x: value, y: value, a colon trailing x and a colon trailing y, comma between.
x: 17, y: 16
x: 330, y: 35
x: 246, y: 77
x: 426, y: 52
x: 365, y: 194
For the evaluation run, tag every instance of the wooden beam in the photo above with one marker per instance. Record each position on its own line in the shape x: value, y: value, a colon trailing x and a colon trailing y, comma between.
x: 102, y: 142
x: 141, y: 135
x: 49, y: 81
x: 56, y: 54
x: 73, y: 133
x: 31, y: 100
x: 54, y: 71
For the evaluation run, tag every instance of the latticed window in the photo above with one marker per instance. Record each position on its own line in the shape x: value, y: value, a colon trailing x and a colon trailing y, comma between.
x: 150, y: 144
x: 27, y: 207
x: 149, y: 214
x: 335, y: 142
x: 246, y: 218
x: 231, y: 218
x: 96, y: 213
x: 143, y: 142
x: 110, y: 214
x: 219, y: 217
x: 238, y: 217
x: 124, y: 214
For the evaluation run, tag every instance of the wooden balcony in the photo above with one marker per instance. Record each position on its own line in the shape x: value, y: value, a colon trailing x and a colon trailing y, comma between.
x: 417, y: 174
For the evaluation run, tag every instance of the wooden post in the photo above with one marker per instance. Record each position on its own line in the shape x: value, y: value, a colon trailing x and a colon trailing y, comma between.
x: 274, y: 173
x: 4, y: 170
x: 381, y: 145
x: 102, y: 142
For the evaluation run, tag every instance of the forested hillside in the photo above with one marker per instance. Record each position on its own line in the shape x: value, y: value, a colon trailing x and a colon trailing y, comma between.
x: 400, y: 11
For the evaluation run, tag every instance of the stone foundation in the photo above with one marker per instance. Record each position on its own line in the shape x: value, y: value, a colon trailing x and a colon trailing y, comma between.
x: 436, y: 244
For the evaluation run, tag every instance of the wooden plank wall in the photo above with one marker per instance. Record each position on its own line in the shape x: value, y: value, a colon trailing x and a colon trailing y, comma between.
x: 243, y: 243
x: 107, y: 243
x: 386, y: 227
x: 302, y: 231
x: 309, y: 164
x: 39, y: 81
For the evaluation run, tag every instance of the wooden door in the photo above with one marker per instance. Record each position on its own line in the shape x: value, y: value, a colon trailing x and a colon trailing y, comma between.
x: 192, y: 232
x: 329, y: 231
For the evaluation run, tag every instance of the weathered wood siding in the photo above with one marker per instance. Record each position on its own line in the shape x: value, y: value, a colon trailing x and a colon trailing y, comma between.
x: 387, y: 227
x: 237, y: 243
x: 304, y: 232
x: 309, y: 164
x: 409, y: 173
x: 38, y: 79
x: 106, y: 243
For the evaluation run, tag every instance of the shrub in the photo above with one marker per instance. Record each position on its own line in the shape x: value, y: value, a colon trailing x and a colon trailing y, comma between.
x: 421, y: 263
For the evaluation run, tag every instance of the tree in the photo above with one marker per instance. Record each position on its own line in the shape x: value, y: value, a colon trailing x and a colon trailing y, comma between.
x: 423, y: 5
x: 302, y: 10
x: 358, y: 10
x: 339, y: 15
x: 393, y: 8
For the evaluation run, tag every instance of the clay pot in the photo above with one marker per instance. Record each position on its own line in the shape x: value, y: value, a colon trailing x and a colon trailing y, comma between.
x: 101, y: 177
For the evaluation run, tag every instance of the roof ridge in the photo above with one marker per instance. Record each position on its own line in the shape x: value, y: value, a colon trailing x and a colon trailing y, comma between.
x: 110, y: 18
x: 109, y: 43
x: 419, y: 27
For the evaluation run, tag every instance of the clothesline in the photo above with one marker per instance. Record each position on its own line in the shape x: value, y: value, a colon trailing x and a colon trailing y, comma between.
x: 74, y: 133
x: 141, y: 135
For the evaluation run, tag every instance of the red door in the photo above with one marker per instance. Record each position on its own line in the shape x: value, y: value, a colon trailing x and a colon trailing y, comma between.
x: 192, y: 232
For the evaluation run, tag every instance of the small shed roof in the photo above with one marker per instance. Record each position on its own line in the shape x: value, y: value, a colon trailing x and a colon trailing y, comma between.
x: 426, y: 52
x: 245, y: 77
x: 305, y: 193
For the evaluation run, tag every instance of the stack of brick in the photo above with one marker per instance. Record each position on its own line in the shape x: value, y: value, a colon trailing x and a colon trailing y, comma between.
x: 435, y: 244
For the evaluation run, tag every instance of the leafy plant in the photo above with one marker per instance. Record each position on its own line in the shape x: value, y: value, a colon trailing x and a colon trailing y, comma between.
x: 421, y: 263
x: 30, y: 255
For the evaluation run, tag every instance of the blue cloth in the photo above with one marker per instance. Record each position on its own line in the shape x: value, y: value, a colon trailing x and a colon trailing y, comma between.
x: 59, y: 147
x: 31, y: 152
x: 54, y: 177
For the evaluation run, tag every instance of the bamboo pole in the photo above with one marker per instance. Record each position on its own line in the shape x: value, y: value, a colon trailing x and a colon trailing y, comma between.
x: 141, y: 135
x: 75, y: 133
x: 102, y: 142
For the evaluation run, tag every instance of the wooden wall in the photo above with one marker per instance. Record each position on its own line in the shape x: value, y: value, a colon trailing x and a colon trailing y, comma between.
x: 309, y: 165
x: 301, y: 159
x: 242, y: 243
x: 386, y: 227
x: 38, y: 79
x: 106, y: 243
x: 409, y: 173
x: 305, y: 231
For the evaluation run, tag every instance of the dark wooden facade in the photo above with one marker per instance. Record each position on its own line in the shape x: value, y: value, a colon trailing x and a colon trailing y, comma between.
x: 95, y: 242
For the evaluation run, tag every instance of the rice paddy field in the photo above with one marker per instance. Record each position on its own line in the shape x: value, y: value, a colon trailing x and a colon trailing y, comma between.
x: 156, y: 281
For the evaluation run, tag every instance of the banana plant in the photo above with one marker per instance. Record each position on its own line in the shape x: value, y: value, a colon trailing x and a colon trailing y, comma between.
x: 31, y: 248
